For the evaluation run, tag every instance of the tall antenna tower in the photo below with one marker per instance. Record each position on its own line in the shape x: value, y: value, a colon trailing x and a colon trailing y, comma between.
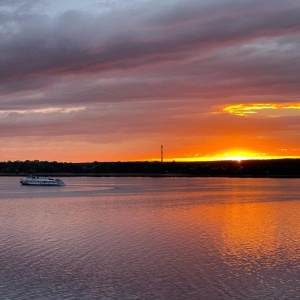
x: 162, y: 153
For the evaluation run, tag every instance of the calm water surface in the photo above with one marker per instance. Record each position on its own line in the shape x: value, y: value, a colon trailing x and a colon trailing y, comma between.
x: 150, y: 238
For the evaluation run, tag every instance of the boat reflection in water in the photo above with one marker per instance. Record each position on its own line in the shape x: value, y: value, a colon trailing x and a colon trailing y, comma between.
x: 41, y: 181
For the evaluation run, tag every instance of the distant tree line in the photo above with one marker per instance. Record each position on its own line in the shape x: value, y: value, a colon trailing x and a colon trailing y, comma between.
x: 250, y: 168
x: 33, y: 167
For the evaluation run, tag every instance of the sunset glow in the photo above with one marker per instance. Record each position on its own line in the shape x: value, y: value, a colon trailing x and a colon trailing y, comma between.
x: 235, y: 156
x: 209, y: 80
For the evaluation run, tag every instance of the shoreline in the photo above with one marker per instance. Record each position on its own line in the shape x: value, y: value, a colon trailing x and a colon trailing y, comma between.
x: 283, y: 168
x: 149, y: 175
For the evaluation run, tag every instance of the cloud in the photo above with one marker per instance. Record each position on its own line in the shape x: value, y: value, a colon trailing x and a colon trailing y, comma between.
x: 250, y: 109
x: 81, y: 42
x: 49, y: 110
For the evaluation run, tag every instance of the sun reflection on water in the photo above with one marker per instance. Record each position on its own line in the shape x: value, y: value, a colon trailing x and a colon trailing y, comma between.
x: 254, y: 235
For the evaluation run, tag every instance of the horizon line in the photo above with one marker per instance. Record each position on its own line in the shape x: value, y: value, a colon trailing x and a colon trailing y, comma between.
x: 159, y: 161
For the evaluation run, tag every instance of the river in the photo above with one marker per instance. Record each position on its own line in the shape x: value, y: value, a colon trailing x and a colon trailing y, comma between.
x: 150, y: 238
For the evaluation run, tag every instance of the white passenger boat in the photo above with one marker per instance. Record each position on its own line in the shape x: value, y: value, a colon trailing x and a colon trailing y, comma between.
x: 36, y: 180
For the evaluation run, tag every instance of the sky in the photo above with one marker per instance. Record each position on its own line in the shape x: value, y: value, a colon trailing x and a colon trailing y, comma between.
x: 113, y: 80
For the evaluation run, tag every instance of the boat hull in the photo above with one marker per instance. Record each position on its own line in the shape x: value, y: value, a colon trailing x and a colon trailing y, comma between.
x: 41, y: 184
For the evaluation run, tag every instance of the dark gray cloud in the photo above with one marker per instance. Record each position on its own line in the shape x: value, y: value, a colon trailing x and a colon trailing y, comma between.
x: 78, y: 42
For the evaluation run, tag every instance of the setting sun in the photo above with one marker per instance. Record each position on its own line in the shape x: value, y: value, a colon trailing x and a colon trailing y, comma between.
x: 234, y: 155
x: 243, y: 155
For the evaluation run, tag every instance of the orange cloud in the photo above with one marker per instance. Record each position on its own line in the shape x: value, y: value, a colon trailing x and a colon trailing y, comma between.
x: 248, y: 109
